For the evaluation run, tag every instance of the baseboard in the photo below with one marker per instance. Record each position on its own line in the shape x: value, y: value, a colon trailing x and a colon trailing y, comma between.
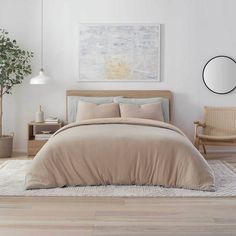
x: 220, y: 149
x: 20, y: 151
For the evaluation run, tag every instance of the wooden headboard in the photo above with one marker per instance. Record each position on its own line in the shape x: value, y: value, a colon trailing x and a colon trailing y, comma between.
x: 125, y: 93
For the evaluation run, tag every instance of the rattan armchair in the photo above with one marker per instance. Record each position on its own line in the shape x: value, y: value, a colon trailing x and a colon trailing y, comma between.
x: 218, y: 128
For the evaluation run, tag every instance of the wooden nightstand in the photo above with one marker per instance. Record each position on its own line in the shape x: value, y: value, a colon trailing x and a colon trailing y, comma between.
x: 36, y: 128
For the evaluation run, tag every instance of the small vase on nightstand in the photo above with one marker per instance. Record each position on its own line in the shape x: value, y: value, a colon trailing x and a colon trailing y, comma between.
x: 39, y: 116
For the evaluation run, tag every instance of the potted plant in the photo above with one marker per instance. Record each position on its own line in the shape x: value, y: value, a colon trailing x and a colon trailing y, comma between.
x: 14, y: 66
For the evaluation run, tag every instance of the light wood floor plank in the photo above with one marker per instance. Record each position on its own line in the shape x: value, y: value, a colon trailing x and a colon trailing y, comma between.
x: 98, y: 216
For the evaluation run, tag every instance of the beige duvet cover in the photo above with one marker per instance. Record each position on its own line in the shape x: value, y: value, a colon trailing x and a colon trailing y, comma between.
x: 119, y: 151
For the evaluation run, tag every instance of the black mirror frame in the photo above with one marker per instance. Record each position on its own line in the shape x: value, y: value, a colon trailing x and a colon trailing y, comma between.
x: 205, y: 68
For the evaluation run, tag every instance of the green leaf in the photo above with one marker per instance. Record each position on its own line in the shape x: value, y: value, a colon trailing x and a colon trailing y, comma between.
x: 14, y: 62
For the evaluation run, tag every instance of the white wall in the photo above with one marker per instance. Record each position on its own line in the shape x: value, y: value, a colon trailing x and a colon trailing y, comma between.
x: 192, y: 32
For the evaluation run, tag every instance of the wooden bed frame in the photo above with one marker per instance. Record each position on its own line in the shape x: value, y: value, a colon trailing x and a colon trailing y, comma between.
x: 125, y: 93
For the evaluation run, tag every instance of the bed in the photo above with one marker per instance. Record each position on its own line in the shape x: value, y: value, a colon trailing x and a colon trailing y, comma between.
x: 120, y: 150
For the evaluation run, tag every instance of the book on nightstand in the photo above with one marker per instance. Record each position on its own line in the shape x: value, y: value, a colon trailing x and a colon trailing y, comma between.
x: 42, y: 136
x: 52, y: 120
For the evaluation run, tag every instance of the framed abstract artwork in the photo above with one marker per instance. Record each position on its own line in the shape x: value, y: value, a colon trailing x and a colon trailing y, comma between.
x: 119, y: 52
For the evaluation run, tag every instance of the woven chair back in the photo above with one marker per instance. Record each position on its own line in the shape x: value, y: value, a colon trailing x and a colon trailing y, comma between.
x: 220, y: 121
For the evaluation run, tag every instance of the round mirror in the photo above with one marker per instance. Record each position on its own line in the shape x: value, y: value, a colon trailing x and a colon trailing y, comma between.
x: 219, y: 74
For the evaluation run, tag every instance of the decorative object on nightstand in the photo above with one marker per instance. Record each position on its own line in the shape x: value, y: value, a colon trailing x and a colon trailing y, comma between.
x: 14, y: 66
x: 39, y: 116
x: 218, y: 128
x: 39, y: 133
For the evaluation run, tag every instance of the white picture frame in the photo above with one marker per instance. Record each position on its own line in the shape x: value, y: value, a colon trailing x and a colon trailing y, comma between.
x: 119, y: 53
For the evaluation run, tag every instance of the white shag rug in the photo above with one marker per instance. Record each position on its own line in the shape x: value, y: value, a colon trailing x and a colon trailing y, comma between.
x: 12, y: 175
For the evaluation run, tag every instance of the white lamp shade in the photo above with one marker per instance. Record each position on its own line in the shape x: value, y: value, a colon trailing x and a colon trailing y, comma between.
x: 40, y: 79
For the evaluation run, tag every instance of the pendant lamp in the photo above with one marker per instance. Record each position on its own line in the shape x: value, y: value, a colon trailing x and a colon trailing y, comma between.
x: 41, y: 78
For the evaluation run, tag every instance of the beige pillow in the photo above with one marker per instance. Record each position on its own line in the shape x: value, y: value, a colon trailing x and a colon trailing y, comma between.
x: 151, y: 111
x: 87, y: 110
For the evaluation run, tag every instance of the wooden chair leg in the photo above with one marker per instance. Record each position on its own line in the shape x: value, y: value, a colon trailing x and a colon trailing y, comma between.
x: 204, y: 148
x: 196, y: 143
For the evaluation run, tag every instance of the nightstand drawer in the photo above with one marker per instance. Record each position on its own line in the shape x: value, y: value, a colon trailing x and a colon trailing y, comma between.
x: 34, y: 146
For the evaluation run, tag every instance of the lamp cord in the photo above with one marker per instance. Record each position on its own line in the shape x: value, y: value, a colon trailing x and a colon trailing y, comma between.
x: 42, y: 34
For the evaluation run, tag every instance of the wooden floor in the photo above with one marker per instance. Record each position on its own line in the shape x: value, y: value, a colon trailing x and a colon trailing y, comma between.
x: 118, y: 216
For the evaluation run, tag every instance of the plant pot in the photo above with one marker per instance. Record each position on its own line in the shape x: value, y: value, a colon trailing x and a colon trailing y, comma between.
x: 6, y: 142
